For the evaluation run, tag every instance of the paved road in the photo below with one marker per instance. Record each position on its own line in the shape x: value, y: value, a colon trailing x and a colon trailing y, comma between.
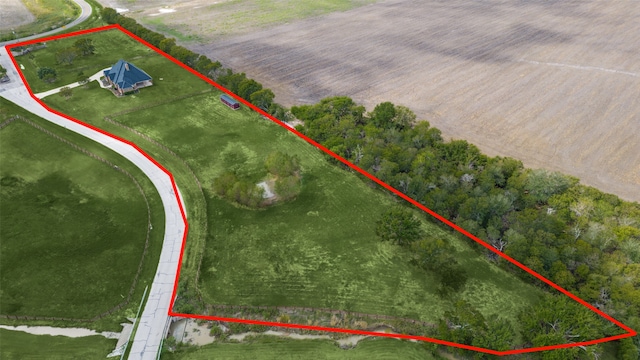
x: 84, y: 15
x: 154, y: 319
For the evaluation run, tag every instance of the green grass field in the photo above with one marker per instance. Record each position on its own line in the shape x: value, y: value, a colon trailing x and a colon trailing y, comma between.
x: 92, y: 104
x: 271, y: 348
x: 319, y: 250
x: 73, y: 228
x: 17, y: 345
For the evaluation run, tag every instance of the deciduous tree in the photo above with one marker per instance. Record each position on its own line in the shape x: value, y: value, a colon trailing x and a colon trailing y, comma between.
x: 66, y: 55
x: 281, y: 164
x: 248, y: 87
x: 167, y: 44
x: 85, y: 47
x: 262, y: 99
x: 47, y: 74
x: 399, y: 226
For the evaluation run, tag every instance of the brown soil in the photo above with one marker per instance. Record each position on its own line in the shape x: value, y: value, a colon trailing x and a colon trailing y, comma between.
x: 14, y: 14
x: 552, y: 83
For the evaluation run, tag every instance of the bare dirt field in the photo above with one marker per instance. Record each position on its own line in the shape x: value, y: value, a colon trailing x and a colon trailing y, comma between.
x: 14, y: 14
x: 555, y: 84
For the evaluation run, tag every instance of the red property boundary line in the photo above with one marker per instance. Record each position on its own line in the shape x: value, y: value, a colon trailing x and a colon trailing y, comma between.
x: 630, y: 332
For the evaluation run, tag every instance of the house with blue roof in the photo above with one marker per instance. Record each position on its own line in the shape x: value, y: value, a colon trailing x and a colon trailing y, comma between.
x: 124, y: 77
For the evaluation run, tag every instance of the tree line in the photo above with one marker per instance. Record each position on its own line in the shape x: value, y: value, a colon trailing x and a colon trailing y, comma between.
x: 584, y: 240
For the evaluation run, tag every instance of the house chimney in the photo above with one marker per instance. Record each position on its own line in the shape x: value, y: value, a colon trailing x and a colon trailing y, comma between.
x: 126, y: 66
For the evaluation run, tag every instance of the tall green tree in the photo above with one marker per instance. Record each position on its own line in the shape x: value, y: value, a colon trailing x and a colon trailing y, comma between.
x: 383, y: 115
x: 109, y: 15
x: 559, y: 320
x: 248, y: 87
x: 47, y: 74
x: 85, y: 46
x: 262, y: 99
x: 399, y: 226
x: 282, y: 164
x: 66, y: 55
x: 167, y: 44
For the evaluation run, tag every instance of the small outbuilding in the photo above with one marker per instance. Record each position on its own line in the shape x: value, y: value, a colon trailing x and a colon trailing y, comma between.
x: 124, y: 77
x: 229, y: 101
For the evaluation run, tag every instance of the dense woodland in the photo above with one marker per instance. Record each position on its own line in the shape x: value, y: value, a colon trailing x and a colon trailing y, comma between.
x: 584, y: 240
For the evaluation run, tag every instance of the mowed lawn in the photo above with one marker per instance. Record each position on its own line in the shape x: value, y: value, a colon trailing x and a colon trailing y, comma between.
x: 73, y: 228
x: 271, y: 348
x: 110, y: 46
x: 317, y: 251
x: 17, y: 345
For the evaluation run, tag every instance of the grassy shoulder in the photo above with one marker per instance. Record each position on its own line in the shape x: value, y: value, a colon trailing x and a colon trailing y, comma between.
x: 19, y: 345
x: 49, y: 14
x: 268, y: 347
x: 169, y: 86
x: 319, y: 250
x: 75, y: 228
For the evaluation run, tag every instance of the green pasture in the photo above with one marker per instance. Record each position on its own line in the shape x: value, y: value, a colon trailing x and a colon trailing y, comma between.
x: 19, y: 345
x: 73, y: 228
x: 272, y: 348
x: 317, y: 251
x: 49, y: 14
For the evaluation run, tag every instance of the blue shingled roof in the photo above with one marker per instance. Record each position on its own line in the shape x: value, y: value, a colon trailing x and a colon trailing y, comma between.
x: 229, y: 99
x: 125, y: 74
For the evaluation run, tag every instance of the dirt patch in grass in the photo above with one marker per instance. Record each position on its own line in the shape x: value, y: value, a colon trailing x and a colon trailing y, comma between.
x: 19, y: 345
x: 14, y: 13
x: 553, y: 84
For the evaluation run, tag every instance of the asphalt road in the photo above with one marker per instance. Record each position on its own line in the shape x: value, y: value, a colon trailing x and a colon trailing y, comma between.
x: 154, y: 319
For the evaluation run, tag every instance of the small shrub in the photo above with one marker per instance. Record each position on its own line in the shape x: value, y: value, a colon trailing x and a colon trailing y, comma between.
x: 216, y: 331
x: 66, y: 92
x: 47, y: 74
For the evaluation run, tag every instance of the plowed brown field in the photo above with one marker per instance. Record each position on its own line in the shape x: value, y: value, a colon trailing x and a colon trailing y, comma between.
x: 555, y: 84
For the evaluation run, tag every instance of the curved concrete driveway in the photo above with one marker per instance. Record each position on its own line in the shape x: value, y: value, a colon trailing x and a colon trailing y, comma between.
x: 86, y: 11
x: 154, y: 319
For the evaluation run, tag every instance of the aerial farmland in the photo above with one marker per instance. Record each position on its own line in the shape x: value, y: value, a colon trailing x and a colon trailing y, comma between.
x: 551, y: 83
x: 339, y: 179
